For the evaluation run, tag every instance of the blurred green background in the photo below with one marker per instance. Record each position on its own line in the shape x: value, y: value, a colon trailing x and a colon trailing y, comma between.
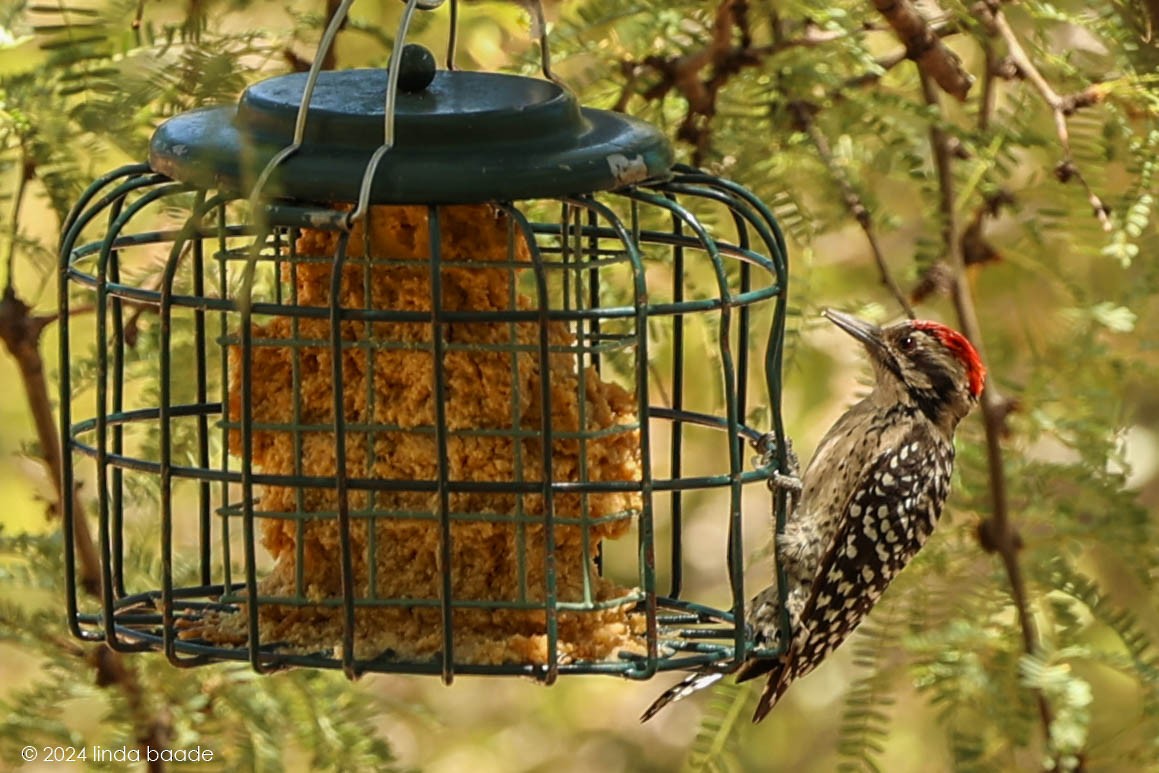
x: 938, y: 679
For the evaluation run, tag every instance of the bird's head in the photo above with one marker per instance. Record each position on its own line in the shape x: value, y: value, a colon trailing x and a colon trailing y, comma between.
x: 922, y: 363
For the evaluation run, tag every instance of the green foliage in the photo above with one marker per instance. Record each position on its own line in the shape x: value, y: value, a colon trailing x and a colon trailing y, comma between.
x: 248, y: 721
x: 865, y: 722
x: 1064, y: 301
x: 1068, y: 318
x: 81, y: 89
x: 713, y: 750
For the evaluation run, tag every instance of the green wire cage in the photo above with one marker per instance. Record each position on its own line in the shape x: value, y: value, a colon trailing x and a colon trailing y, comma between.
x: 417, y: 372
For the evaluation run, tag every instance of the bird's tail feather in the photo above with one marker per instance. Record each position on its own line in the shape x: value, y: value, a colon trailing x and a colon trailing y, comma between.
x: 690, y: 684
x: 774, y: 688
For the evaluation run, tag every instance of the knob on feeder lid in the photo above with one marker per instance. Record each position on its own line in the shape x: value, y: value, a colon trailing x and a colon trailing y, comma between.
x: 416, y: 68
x: 459, y: 137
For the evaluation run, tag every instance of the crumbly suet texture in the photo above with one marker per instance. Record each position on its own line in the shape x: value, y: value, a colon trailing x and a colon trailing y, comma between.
x: 389, y: 405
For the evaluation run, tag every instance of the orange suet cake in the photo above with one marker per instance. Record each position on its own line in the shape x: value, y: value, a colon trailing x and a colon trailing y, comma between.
x: 493, y: 377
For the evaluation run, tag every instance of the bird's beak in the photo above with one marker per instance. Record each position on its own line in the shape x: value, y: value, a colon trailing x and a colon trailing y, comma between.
x: 865, y: 332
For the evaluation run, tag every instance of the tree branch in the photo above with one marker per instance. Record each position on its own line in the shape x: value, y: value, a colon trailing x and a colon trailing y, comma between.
x: 989, y: 76
x: 923, y: 46
x: 997, y: 534
x: 942, y: 29
x: 1061, y: 106
x: 720, y: 58
x: 20, y: 330
x: 154, y: 730
x: 698, y: 76
x: 26, y: 171
x: 803, y: 115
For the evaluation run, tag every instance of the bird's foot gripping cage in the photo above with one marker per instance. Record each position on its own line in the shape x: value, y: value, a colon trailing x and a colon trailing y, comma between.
x: 433, y: 405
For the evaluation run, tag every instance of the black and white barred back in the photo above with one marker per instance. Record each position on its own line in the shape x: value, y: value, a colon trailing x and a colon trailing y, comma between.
x: 889, y: 518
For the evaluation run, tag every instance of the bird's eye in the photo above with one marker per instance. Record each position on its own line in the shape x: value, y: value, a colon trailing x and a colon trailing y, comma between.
x: 907, y: 343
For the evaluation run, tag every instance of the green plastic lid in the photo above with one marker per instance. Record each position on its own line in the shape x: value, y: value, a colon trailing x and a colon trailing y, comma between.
x: 460, y: 137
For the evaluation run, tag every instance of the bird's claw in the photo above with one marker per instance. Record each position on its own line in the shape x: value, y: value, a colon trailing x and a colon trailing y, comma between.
x: 790, y: 483
x: 789, y: 478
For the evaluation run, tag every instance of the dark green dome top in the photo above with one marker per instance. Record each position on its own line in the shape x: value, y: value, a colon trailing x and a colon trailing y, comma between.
x: 465, y: 137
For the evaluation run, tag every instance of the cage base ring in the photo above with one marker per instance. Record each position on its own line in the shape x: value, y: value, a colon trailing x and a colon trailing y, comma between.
x: 690, y: 636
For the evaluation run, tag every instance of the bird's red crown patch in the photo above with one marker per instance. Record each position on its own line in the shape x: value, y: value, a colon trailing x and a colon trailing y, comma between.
x: 962, y: 349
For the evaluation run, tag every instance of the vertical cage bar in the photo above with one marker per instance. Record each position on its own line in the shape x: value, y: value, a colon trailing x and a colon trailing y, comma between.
x: 587, y: 340
x: 646, y: 532
x: 744, y: 202
x: 568, y: 255
x: 338, y: 392
x: 676, y: 428
x: 593, y: 253
x: 516, y: 407
x: 594, y: 331
x: 101, y: 440
x: 735, y: 548
x: 186, y: 243
x: 108, y: 522
x: 551, y: 671
x: 165, y: 429
x: 80, y: 215
x: 116, y: 478
x: 226, y: 534
x: 446, y: 598
x: 67, y: 474
x: 296, y: 434
x: 367, y: 436
x: 204, y: 509
x: 744, y: 313
x: 249, y: 536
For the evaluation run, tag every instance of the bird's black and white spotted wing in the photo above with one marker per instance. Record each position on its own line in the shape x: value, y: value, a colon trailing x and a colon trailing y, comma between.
x: 887, y: 519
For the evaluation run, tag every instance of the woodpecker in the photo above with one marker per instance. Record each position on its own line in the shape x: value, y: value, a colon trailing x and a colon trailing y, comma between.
x: 870, y: 498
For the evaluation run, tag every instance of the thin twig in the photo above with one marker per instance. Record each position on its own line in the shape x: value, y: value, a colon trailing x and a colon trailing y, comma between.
x: 942, y: 29
x: 812, y: 37
x: 884, y: 65
x: 987, y: 102
x: 858, y: 211
x: 14, y: 233
x: 153, y: 729
x: 997, y: 532
x: 699, y: 75
x: 1061, y: 106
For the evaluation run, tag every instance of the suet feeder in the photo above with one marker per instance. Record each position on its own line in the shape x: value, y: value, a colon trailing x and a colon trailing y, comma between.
x: 401, y: 363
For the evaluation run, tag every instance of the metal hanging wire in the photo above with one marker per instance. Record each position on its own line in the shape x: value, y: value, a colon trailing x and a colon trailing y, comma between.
x: 539, y: 30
